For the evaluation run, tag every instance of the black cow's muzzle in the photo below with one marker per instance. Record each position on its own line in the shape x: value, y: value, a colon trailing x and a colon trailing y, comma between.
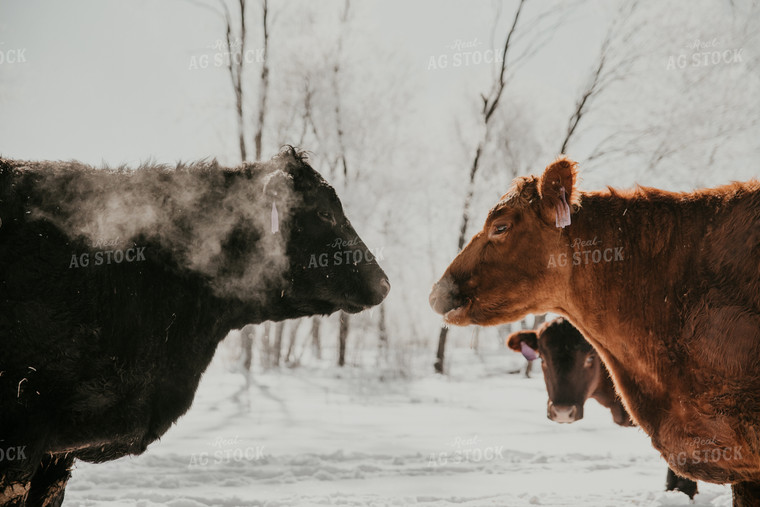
x: 373, y: 296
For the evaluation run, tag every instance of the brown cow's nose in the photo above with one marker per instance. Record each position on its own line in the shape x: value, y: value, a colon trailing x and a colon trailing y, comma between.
x: 443, y: 297
x: 564, y: 413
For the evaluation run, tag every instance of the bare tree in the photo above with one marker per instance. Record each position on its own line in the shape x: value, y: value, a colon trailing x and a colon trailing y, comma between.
x: 606, y: 70
x: 247, y: 336
x: 342, y: 337
x: 315, y: 337
x: 343, y: 317
x: 294, y: 325
x: 382, y: 332
x: 265, y: 357
x: 279, y: 330
x: 264, y: 82
x: 235, y: 67
x: 490, y: 104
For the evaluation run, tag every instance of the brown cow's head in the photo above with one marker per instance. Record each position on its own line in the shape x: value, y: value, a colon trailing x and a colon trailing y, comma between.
x: 571, y: 367
x: 502, y: 275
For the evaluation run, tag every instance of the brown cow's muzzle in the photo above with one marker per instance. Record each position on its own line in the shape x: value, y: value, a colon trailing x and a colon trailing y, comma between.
x: 564, y: 413
x: 445, y: 296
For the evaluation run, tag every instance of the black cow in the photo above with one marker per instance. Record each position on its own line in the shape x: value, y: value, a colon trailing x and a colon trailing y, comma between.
x: 574, y: 373
x: 117, y: 285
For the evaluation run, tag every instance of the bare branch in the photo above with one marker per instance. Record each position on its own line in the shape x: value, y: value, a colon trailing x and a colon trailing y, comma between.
x: 235, y: 66
x: 604, y: 73
x: 263, y: 92
x: 496, y: 94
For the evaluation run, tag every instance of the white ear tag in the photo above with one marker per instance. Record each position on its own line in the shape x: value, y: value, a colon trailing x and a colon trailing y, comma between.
x: 562, y: 211
x: 275, y: 219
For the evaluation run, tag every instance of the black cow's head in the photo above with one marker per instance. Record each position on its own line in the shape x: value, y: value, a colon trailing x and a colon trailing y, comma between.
x: 328, y: 267
x: 570, y: 364
x: 269, y: 240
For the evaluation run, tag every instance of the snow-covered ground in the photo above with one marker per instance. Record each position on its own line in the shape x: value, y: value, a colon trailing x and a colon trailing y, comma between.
x: 311, y: 436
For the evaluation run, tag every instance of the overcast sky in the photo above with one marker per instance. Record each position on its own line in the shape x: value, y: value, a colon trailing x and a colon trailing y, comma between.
x: 111, y: 80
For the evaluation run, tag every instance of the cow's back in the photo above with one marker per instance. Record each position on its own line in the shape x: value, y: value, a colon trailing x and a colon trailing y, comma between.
x: 91, y: 351
x: 730, y: 250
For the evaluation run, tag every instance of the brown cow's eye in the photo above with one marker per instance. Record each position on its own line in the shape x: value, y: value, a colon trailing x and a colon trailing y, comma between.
x: 501, y: 228
x: 589, y: 361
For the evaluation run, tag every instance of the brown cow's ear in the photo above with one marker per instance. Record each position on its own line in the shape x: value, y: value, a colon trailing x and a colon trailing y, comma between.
x: 530, y: 338
x: 557, y: 191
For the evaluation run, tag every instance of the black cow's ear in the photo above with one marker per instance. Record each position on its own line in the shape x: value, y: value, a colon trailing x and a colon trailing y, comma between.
x: 516, y: 339
x: 558, y: 192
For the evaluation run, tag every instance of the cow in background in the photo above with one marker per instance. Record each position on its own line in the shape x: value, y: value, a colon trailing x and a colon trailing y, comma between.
x: 116, y: 286
x: 573, y: 373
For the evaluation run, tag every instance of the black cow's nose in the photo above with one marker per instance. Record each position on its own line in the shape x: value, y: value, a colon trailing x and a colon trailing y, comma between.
x: 378, y: 292
x: 385, y: 287
x: 443, y: 297
x: 564, y: 413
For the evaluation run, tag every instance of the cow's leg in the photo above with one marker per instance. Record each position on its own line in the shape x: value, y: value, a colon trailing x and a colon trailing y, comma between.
x: 49, y: 482
x: 746, y: 494
x: 675, y: 482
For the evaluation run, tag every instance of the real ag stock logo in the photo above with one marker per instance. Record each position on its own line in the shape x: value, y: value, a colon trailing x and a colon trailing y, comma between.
x: 706, y: 451
x: 705, y: 53
x: 464, y: 53
x: 220, y: 54
x: 12, y: 56
x: 347, y: 257
x: 227, y: 450
x: 466, y: 450
x: 12, y: 452
x: 585, y: 252
x: 107, y: 257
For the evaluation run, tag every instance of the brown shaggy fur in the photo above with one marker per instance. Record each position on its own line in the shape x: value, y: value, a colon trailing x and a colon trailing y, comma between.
x: 676, y: 318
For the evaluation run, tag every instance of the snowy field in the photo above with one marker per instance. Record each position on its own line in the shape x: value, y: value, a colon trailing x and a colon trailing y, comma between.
x: 306, y: 436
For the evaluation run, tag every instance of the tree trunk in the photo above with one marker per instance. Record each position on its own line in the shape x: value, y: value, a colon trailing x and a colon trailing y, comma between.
x: 475, y: 341
x: 489, y: 107
x: 235, y: 68
x: 292, y: 340
x: 316, y: 343
x: 460, y: 243
x: 263, y: 93
x: 441, y: 348
x: 266, y: 352
x: 342, y: 337
x: 279, y: 329
x: 382, y: 331
x: 246, y: 343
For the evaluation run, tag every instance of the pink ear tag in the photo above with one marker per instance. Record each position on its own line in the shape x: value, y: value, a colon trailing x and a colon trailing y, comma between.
x: 528, y: 352
x: 275, y: 219
x: 562, y: 215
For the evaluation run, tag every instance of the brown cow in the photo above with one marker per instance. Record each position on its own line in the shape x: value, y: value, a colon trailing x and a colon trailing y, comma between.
x: 574, y: 373
x: 666, y: 287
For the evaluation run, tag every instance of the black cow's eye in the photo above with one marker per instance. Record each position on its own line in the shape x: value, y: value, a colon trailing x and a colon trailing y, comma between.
x: 325, y: 215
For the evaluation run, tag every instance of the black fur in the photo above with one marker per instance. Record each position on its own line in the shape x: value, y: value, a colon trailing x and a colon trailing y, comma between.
x: 97, y: 362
